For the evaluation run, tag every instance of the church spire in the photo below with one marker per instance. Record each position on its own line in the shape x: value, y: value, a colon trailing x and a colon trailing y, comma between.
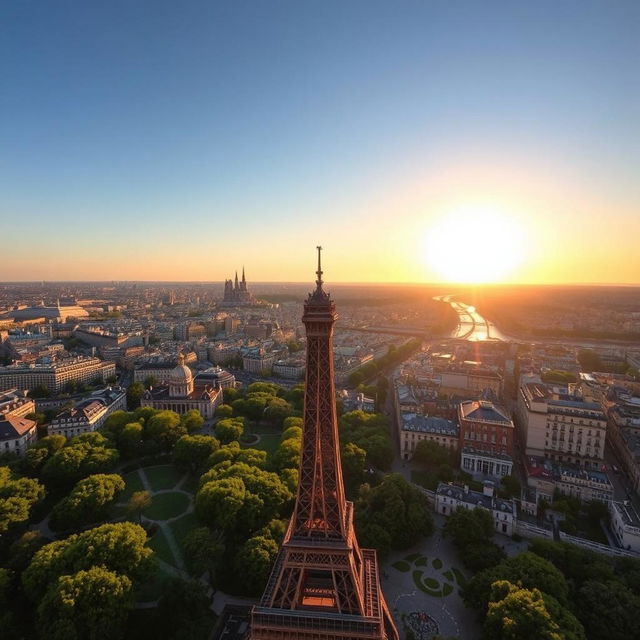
x: 236, y: 286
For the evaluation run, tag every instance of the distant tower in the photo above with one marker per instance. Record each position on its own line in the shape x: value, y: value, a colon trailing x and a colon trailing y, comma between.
x: 243, y: 286
x: 322, y: 586
x: 236, y: 284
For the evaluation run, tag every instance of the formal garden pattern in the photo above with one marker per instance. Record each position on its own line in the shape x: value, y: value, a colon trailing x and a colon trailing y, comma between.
x: 430, y: 575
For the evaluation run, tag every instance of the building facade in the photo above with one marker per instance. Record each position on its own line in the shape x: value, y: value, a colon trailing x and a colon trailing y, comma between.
x: 89, y: 414
x: 564, y: 428
x: 486, y: 439
x: 450, y: 498
x: 55, y: 375
x: 414, y: 428
x: 17, y: 431
x: 183, y: 393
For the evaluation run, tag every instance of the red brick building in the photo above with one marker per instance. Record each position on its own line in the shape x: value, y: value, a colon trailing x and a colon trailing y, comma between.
x: 486, y: 438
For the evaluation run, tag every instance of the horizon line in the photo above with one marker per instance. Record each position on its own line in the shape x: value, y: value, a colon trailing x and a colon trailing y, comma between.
x: 338, y: 282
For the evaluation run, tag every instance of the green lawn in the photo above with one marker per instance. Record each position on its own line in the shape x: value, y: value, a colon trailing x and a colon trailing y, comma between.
x: 183, y: 526
x: 401, y: 566
x: 269, y: 438
x: 161, y: 547
x: 437, y: 564
x: 163, y: 477
x: 132, y: 484
x: 422, y: 561
x: 167, y: 505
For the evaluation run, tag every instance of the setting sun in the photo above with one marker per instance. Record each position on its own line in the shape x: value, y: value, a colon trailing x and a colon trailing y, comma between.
x: 474, y: 244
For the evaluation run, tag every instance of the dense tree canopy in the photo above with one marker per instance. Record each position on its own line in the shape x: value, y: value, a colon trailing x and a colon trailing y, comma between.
x: 17, y: 497
x: 517, y: 613
x: 203, y: 549
x: 87, y: 502
x: 192, y: 452
x: 87, y: 604
x: 369, y: 431
x: 229, y: 429
x: 254, y: 562
x: 527, y: 569
x: 396, y: 508
x: 85, y: 454
x: 240, y: 495
x: 116, y: 547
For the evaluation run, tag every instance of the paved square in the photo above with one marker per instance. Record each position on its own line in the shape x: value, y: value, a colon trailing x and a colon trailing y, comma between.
x: 422, y: 585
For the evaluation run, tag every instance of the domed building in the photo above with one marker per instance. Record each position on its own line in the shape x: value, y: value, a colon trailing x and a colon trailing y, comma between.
x: 183, y: 393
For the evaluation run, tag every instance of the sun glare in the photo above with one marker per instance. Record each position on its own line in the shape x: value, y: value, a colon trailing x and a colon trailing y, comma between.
x: 474, y: 245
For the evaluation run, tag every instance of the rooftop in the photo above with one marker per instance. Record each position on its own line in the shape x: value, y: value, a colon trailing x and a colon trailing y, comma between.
x: 484, y: 411
x: 429, y: 424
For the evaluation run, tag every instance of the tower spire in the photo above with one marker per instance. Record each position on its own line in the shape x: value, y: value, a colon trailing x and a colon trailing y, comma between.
x: 319, y: 271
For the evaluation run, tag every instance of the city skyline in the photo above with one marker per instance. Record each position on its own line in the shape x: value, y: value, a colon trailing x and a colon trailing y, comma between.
x: 146, y: 143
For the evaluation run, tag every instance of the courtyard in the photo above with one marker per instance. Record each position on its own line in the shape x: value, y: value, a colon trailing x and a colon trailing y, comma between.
x: 422, y: 586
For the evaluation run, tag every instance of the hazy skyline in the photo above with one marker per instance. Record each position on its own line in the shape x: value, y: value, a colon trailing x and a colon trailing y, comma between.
x: 164, y: 141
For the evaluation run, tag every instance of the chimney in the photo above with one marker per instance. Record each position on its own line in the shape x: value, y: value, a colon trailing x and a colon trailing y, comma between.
x: 487, y: 488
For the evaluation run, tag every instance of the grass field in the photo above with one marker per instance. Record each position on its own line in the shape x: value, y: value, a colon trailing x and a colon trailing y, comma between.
x: 133, y: 483
x: 167, y: 505
x: 161, y: 547
x: 182, y: 526
x: 163, y: 477
x: 269, y: 439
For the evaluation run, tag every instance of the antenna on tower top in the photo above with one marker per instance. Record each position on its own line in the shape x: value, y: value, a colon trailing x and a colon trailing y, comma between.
x: 319, y: 271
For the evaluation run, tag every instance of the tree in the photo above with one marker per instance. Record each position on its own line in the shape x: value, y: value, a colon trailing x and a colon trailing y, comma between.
x: 203, y: 550
x: 287, y: 455
x: 134, y: 395
x: 183, y: 610
x: 608, y: 610
x: 192, y: 421
x: 87, y: 502
x: 164, y: 429
x: 398, y: 508
x: 192, y: 452
x: 150, y: 382
x: 517, y: 613
x: 87, y: 604
x: 80, y: 458
x: 218, y: 502
x: 138, y: 502
x: 254, y: 562
x: 224, y: 411
x: 276, y: 410
x: 119, y: 547
x: 17, y: 497
x: 511, y: 487
x: 431, y: 454
x: 24, y: 548
x: 468, y: 526
x: 229, y: 429
x: 527, y: 569
x: 353, y: 460
x: 130, y: 439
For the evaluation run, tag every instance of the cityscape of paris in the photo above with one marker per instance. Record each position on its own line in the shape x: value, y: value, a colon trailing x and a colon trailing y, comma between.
x: 320, y: 320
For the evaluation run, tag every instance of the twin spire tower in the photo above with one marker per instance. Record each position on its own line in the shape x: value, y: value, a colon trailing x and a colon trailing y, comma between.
x: 322, y: 586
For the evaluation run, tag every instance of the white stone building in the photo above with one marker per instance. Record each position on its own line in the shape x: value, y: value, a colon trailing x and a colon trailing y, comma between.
x: 450, y: 498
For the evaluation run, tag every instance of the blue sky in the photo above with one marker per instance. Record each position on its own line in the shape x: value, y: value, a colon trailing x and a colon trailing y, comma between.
x: 145, y: 139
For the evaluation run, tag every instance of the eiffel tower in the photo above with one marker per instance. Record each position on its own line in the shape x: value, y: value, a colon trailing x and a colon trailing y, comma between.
x: 322, y: 586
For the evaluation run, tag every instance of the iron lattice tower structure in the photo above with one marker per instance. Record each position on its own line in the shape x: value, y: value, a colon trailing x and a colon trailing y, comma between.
x: 322, y: 586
